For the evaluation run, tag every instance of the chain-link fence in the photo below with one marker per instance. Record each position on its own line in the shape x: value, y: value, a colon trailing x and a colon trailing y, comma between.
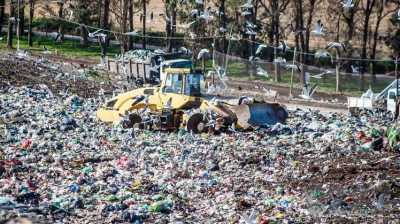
x: 261, y: 71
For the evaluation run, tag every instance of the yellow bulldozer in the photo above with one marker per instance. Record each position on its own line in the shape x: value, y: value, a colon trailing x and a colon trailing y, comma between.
x: 179, y: 102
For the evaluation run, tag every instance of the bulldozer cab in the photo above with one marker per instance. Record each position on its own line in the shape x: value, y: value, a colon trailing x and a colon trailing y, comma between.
x: 182, y: 85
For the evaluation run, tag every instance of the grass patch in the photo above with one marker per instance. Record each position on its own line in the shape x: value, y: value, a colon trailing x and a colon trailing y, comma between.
x: 67, y: 48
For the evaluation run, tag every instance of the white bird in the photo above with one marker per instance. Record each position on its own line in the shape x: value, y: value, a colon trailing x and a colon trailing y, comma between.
x: 318, y: 28
x: 70, y: 7
x: 283, y: 46
x: 133, y: 33
x: 347, y: 4
x: 307, y: 94
x: 155, y: 68
x: 335, y: 44
x: 201, y: 53
x: 186, y: 26
x: 293, y: 67
x: 200, y: 2
x: 320, y: 54
x: 102, y: 61
x: 206, y: 14
x: 45, y: 51
x: 354, y: 69
x: 245, y: 13
x: 265, y: 88
x: 186, y: 51
x: 24, y: 54
x: 248, y: 4
x: 57, y: 36
x: 232, y: 38
x: 252, y: 219
x: 151, y: 20
x: 294, y: 31
x: 250, y: 31
x: 279, y: 59
x: 95, y: 33
x: 169, y: 104
x: 398, y: 15
x: 261, y: 72
x: 125, y: 69
x: 192, y: 35
x: 321, y: 74
x: 195, y: 12
x: 219, y: 14
x: 334, y: 100
x: 141, y: 16
x: 14, y: 20
x: 260, y: 47
x: 222, y: 30
x: 250, y: 25
x: 167, y: 19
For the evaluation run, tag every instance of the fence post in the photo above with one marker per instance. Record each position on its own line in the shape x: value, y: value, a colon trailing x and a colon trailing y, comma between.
x: 291, y: 76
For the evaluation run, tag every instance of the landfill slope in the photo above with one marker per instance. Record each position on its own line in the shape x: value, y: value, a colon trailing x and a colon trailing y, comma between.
x: 59, y: 163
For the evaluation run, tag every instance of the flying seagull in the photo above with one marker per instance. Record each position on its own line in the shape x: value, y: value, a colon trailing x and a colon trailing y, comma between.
x: 155, y: 68
x: 45, y: 51
x: 293, y: 67
x: 133, y: 33
x: 320, y: 54
x: 14, y: 20
x: 167, y: 19
x: 318, y: 28
x: 319, y: 76
x: 201, y: 53
x: 250, y: 25
x: 248, y: 4
x: 169, y: 104
x: 181, y: 2
x: 354, y: 69
x: 151, y: 20
x: 186, y: 51
x: 335, y: 44
x: 250, y: 31
x: 95, y: 33
x: 249, y: 219
x: 283, y: 46
x: 279, y: 59
x: 206, y: 14
x: 245, y: 13
x: 141, y: 16
x: 186, y: 26
x: 347, y: 4
x: 57, y: 36
x: 294, y: 31
x: 70, y: 7
x: 261, y: 72
x: 260, y: 47
x: 219, y: 14
x: 398, y: 15
x: 200, y: 2
x: 308, y: 94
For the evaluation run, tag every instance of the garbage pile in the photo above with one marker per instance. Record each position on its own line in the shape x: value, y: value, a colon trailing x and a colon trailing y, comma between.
x: 58, y: 163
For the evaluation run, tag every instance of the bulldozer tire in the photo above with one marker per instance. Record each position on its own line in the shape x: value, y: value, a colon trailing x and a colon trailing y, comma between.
x: 196, y: 124
x: 133, y: 122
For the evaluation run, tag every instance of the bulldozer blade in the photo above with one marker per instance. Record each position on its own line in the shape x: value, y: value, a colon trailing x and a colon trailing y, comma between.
x: 260, y: 114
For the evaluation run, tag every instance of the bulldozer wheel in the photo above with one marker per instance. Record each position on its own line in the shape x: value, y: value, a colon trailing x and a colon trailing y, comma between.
x: 196, y: 124
x: 133, y: 122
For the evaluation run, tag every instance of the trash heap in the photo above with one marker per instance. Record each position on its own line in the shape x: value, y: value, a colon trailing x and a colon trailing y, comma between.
x: 59, y: 163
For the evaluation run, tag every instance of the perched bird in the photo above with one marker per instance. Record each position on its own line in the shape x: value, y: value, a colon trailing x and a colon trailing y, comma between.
x: 261, y: 71
x: 283, y: 46
x: 201, y: 53
x: 45, y: 51
x: 186, y: 51
x: 248, y: 4
x: 318, y: 28
x: 102, y: 61
x: 293, y: 67
x: 206, y: 14
x: 307, y: 94
x: 335, y: 44
x: 151, y: 20
x: 141, y: 16
x: 347, y: 4
x: 334, y: 100
x: 260, y: 47
x: 133, y: 33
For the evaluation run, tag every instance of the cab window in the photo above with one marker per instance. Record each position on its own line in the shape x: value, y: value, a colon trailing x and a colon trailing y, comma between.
x: 193, y: 84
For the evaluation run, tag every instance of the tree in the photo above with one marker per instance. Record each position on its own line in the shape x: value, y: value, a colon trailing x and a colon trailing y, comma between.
x: 2, y: 4
x: 32, y: 4
x: 170, y: 12
x: 10, y: 25
x: 21, y: 16
x: 142, y: 5
x: 120, y: 10
x: 367, y: 14
x: 381, y: 14
x: 131, y: 14
x: 106, y: 12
